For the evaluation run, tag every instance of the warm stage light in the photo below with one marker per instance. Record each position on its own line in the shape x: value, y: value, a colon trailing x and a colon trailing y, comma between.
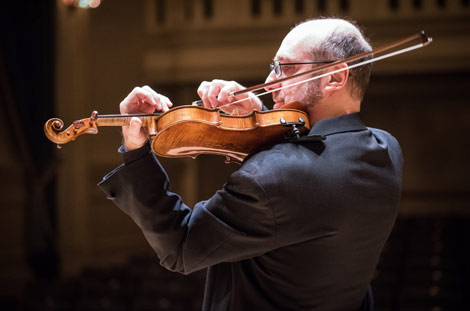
x: 84, y: 4
x: 94, y: 3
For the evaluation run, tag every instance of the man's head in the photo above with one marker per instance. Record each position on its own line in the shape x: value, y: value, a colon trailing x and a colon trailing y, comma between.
x: 322, y: 40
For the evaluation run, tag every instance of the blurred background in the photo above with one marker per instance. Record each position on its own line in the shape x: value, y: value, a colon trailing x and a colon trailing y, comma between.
x: 65, y: 247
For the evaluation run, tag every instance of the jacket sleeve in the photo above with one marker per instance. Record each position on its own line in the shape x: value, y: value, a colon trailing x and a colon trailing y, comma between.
x: 235, y: 224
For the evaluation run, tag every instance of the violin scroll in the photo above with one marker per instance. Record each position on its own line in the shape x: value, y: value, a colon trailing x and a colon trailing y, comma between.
x: 53, y: 129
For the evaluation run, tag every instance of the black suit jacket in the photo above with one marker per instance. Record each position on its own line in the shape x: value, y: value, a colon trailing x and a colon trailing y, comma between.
x: 298, y: 227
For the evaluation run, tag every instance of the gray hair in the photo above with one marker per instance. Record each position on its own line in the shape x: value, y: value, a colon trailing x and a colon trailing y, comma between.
x: 343, y: 43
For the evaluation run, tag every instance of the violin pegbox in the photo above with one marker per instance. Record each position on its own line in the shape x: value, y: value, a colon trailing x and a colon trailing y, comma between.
x: 53, y: 129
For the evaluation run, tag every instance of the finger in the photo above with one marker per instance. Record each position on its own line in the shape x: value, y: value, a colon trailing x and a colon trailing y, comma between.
x: 133, y: 132
x: 225, y: 94
x: 163, y: 102
x: 134, y: 136
x: 130, y: 104
x: 213, y: 92
x: 202, y: 91
x: 155, y: 97
x: 202, y: 87
x: 138, y: 100
x: 135, y: 123
x: 145, y: 99
x: 166, y: 103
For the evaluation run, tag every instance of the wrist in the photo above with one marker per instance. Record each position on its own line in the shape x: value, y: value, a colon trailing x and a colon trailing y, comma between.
x: 129, y: 144
x: 130, y: 156
x: 132, y: 146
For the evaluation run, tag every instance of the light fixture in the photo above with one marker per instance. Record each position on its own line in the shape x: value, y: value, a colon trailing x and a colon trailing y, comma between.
x: 83, y: 4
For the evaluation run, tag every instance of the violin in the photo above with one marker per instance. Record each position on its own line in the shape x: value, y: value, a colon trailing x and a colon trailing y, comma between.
x: 188, y: 131
x: 191, y: 130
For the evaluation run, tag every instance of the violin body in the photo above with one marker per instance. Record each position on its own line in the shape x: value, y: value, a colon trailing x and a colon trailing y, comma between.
x: 188, y: 131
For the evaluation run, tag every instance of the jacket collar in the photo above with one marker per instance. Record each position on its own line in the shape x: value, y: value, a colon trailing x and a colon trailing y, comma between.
x: 344, y: 123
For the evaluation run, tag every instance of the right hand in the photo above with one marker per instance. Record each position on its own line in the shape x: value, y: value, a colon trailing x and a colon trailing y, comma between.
x: 217, y: 94
x: 140, y: 100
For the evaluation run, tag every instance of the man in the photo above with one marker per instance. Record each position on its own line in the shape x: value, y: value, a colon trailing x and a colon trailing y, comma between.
x: 299, y: 226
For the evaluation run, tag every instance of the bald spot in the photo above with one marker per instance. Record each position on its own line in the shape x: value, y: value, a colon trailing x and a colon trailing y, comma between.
x: 305, y: 36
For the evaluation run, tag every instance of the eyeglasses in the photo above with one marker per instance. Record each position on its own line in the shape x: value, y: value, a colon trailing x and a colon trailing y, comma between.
x: 276, y: 66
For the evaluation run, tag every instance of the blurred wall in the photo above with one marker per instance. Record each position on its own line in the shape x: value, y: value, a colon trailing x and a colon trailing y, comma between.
x: 102, y: 53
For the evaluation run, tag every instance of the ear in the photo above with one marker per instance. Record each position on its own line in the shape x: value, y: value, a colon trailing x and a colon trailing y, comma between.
x: 338, y: 80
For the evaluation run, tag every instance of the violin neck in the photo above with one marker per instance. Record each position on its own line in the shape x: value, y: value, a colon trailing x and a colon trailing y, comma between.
x: 54, y: 128
x: 123, y: 120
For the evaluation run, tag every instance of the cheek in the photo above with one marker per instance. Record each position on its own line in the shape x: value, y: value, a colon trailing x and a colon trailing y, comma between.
x: 296, y: 91
x: 288, y: 94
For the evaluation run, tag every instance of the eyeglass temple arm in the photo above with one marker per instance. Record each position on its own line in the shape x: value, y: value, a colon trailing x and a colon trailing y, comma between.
x: 305, y: 63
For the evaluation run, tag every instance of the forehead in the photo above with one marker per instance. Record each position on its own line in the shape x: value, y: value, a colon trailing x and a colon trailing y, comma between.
x: 290, y: 52
x: 295, y: 46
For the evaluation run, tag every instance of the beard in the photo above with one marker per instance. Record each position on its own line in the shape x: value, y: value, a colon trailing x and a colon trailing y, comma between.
x: 311, y: 94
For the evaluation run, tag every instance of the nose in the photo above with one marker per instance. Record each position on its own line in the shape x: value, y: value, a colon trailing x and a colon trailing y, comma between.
x: 271, y: 77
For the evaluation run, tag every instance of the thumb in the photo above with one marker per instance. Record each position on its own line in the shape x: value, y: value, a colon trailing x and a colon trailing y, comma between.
x: 135, y: 124
x: 134, y: 137
x: 134, y: 127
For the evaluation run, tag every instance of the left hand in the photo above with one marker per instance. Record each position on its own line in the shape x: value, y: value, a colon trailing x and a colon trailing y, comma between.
x: 140, y: 100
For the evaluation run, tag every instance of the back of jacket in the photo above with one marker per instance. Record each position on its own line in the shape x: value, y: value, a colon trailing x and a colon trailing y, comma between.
x: 298, y: 227
x: 334, y: 204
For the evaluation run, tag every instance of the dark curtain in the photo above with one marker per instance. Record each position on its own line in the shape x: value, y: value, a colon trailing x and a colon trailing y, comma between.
x: 27, y: 101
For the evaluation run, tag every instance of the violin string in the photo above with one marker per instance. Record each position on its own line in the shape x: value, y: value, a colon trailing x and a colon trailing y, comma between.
x: 129, y: 115
x: 414, y: 47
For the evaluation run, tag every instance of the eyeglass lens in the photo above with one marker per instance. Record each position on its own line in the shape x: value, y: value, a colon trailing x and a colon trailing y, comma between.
x: 276, y: 67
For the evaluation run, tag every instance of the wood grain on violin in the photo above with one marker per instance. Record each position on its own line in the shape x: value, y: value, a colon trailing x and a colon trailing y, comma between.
x: 188, y: 131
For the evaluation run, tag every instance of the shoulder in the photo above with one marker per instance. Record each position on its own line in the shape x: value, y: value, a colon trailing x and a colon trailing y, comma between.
x: 388, y: 141
x: 384, y: 136
x: 279, y: 164
x: 278, y: 156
